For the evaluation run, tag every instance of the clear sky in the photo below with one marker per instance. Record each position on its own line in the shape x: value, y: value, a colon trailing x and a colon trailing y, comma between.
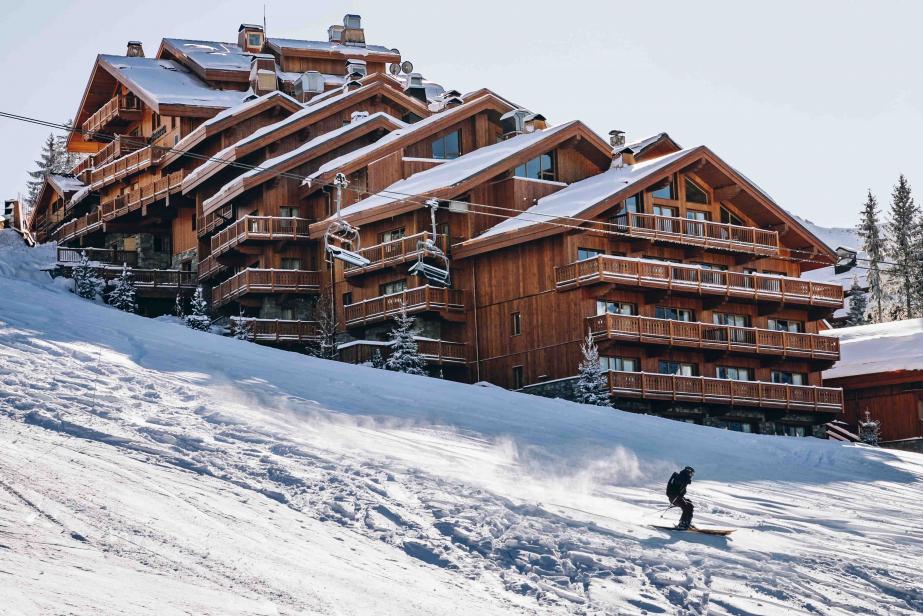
x: 815, y: 101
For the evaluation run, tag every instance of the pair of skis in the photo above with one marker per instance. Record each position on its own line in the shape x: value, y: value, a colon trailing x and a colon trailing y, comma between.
x: 720, y: 532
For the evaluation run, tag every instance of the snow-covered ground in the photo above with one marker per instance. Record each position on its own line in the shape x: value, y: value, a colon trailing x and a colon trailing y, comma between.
x: 149, y: 469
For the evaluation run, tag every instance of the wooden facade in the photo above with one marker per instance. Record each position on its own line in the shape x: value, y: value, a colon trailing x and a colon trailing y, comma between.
x: 893, y: 398
x: 684, y: 272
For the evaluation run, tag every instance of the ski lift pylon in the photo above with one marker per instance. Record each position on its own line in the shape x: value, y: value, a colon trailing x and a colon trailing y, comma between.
x: 341, y: 240
x: 428, y: 249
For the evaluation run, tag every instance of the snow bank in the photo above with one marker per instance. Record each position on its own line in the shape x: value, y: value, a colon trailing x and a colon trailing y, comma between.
x: 881, y: 347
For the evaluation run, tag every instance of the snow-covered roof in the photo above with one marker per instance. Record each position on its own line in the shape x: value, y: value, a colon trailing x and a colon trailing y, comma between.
x: 64, y: 184
x: 330, y: 47
x: 878, y: 348
x: 211, y: 55
x: 276, y: 161
x: 638, y: 145
x: 454, y: 171
x: 165, y: 82
x: 579, y: 196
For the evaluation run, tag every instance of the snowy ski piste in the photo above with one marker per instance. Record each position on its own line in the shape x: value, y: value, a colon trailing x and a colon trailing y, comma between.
x: 151, y: 469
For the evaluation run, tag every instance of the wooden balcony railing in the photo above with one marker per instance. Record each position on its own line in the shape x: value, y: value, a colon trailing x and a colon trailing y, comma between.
x: 394, y: 252
x: 144, y: 196
x: 153, y: 279
x: 709, y: 336
x: 433, y: 351
x: 84, y: 225
x: 119, y: 108
x: 209, y: 266
x: 418, y: 299
x: 72, y: 256
x: 264, y: 281
x: 121, y: 167
x: 699, y: 233
x: 211, y: 221
x: 122, y: 145
x: 259, y: 228
x: 278, y: 330
x: 723, y: 391
x: 697, y: 280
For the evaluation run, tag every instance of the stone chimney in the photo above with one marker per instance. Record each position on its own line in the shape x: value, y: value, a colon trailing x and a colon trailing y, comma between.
x: 616, y: 138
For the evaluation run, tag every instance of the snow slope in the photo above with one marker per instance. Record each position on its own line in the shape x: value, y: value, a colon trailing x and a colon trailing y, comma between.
x: 148, y: 468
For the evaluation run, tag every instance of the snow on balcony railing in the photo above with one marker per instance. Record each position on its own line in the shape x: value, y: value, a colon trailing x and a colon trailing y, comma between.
x: 72, y: 256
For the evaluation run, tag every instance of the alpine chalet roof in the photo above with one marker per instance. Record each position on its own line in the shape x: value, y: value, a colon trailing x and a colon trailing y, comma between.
x: 286, y: 45
x: 639, y: 146
x: 895, y: 347
x: 64, y: 184
x: 209, y: 59
x: 279, y: 164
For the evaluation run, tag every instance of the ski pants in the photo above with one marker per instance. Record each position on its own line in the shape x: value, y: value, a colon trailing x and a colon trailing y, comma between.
x: 686, y: 505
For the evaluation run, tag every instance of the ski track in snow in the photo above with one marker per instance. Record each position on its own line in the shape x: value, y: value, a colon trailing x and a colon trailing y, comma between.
x: 132, y: 486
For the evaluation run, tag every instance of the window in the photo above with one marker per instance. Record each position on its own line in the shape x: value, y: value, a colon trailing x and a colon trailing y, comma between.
x: 730, y: 219
x: 390, y: 288
x: 789, y: 378
x: 663, y: 210
x: 734, y: 321
x: 515, y: 324
x: 607, y: 307
x: 288, y: 263
x: 287, y: 211
x: 194, y: 222
x: 448, y: 146
x: 736, y: 426
x: 696, y: 224
x: 518, y: 378
x: 186, y: 266
x: 287, y: 314
x: 390, y: 236
x: 713, y: 266
x: 155, y: 121
x: 734, y: 373
x: 674, y: 314
x: 786, y: 430
x: 620, y: 364
x: 347, y: 298
x: 665, y: 224
x: 633, y: 205
x: 588, y: 253
x: 675, y: 367
x: 254, y: 39
x: 695, y: 193
x: 540, y: 168
x: 786, y: 325
x: 665, y: 191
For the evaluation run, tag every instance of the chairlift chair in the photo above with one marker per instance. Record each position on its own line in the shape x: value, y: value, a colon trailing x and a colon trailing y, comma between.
x: 428, y: 249
x: 341, y: 240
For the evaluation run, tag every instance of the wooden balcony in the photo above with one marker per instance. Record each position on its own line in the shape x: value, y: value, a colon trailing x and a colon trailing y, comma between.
x: 436, y: 352
x: 725, y: 338
x: 84, y: 225
x: 122, y: 145
x: 142, y: 197
x: 679, y: 278
x: 121, y: 167
x: 209, y: 266
x: 153, y: 281
x: 278, y: 330
x: 418, y: 299
x: 69, y: 257
x: 725, y: 392
x: 120, y: 110
x: 712, y: 235
x: 393, y: 253
x: 211, y: 221
x: 259, y: 229
x: 265, y: 281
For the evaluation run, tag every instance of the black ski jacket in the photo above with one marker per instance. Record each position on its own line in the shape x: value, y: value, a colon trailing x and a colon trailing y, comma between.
x: 677, y: 484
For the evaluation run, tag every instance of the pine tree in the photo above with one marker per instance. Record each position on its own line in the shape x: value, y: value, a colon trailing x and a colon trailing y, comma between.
x: 904, y: 243
x: 377, y: 360
x: 48, y: 163
x: 122, y: 295
x: 243, y: 329
x: 87, y: 283
x: 858, y: 305
x: 869, y: 430
x: 324, y: 344
x: 198, y: 318
x: 178, y: 306
x: 405, y: 356
x: 66, y: 161
x: 870, y: 231
x: 591, y: 387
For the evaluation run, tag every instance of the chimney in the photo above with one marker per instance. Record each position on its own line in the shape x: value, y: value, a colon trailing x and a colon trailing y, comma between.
x: 356, y: 68
x: 413, y: 86
x: 135, y: 50
x: 513, y: 122
x: 335, y: 33
x: 263, y: 74
x: 353, y: 34
x: 616, y: 138
x: 309, y: 84
x: 534, y: 122
x: 628, y: 156
x: 250, y: 37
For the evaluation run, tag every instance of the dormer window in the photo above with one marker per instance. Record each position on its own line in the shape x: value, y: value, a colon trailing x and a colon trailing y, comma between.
x: 448, y: 146
x: 695, y: 193
x: 539, y: 168
x: 255, y: 39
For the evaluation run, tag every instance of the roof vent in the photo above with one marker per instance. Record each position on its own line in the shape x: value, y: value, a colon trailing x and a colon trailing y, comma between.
x: 309, y: 84
x: 452, y: 101
x: 262, y: 74
x: 135, y: 50
x: 534, y: 122
x: 351, y: 85
x: 352, y: 22
x: 335, y: 33
x: 616, y: 138
x: 626, y: 156
x: 413, y: 86
x: 356, y: 68
x: 513, y: 122
x: 250, y: 37
x: 350, y: 33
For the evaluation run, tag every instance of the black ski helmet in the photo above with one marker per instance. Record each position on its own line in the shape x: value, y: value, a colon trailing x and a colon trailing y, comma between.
x: 689, y: 470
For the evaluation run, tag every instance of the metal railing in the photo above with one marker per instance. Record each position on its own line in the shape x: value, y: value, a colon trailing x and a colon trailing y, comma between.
x: 394, y: 252
x: 698, y: 280
x: 723, y: 391
x: 418, y: 299
x: 266, y: 281
x: 709, y: 336
x: 262, y: 228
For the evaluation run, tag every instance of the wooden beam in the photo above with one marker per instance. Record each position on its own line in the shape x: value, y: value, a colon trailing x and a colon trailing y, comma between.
x: 726, y: 193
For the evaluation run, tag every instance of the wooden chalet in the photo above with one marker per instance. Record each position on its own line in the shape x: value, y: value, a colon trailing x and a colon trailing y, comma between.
x: 507, y: 237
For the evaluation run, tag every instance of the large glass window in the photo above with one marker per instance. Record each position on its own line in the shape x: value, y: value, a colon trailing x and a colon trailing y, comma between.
x: 695, y: 193
x: 390, y: 236
x: 287, y: 211
x: 786, y: 325
x: 539, y: 168
x: 607, y: 307
x: 674, y: 314
x: 447, y: 146
x: 288, y: 263
x: 789, y: 378
x: 620, y: 364
x: 666, y: 190
x: 730, y: 219
x: 588, y: 253
x: 734, y: 373
x: 389, y: 288
x: 679, y: 368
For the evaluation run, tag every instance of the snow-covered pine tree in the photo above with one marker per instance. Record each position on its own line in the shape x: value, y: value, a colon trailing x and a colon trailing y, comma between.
x: 869, y: 430
x: 377, y: 360
x: 66, y: 161
x: 405, y: 356
x: 872, y: 243
x: 858, y: 305
x: 122, y: 295
x: 48, y: 163
x: 903, y: 245
x: 591, y: 387
x: 198, y: 317
x: 87, y: 283
x: 243, y: 329
x: 324, y: 345
x: 178, y: 306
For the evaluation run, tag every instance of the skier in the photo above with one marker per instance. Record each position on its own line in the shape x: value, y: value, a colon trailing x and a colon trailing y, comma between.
x: 676, y: 492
